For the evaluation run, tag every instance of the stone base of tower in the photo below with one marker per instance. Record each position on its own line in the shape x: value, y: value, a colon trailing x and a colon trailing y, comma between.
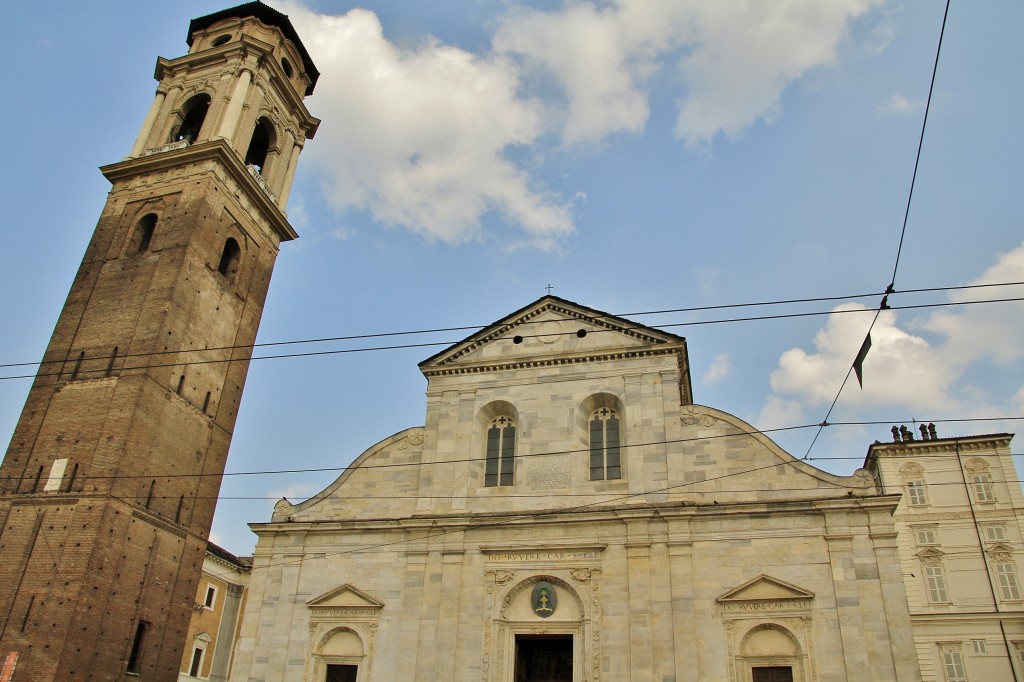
x: 88, y: 571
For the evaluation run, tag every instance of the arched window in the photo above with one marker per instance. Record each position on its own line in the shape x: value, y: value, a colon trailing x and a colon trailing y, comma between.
x: 286, y: 65
x: 604, y: 445
x: 221, y: 40
x: 501, y: 452
x: 259, y: 145
x: 229, y: 259
x: 192, y: 117
x: 143, y: 234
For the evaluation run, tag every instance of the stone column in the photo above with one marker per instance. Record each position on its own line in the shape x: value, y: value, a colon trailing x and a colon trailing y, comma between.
x: 229, y: 123
x: 226, y: 633
x: 638, y: 570
x: 412, y: 600
x: 147, y: 125
x: 282, y: 159
x: 684, y: 632
x: 848, y: 607
x: 894, y: 602
x: 286, y: 188
x: 447, y: 614
x: 661, y: 603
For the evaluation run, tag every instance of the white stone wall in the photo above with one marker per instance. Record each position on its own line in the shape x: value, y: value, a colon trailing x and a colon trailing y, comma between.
x: 716, y: 550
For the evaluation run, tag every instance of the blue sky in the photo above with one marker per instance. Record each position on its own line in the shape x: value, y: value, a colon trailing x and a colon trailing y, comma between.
x: 635, y: 156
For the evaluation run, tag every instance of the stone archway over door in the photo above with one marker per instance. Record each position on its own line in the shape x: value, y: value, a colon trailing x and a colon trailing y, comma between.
x: 513, y: 630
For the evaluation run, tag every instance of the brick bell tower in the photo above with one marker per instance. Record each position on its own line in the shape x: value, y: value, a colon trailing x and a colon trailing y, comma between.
x: 108, y: 488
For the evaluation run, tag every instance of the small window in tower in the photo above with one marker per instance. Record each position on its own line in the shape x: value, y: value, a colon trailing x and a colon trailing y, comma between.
x: 143, y: 233
x: 260, y: 144
x: 135, y: 658
x: 286, y: 65
x: 229, y: 259
x: 211, y: 596
x: 192, y: 116
x: 220, y: 40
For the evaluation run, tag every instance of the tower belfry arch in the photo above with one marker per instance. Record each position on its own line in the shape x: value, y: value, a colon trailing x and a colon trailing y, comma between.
x: 108, y: 487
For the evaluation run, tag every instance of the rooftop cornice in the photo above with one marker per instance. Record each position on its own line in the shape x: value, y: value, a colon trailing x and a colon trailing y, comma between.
x: 212, y: 150
x: 965, y: 443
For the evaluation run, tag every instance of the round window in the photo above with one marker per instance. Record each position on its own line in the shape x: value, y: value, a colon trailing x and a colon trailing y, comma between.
x: 287, y: 67
x: 220, y: 40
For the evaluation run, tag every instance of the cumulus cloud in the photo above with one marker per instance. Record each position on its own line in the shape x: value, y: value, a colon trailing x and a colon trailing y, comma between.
x: 419, y: 137
x: 929, y: 364
x: 721, y: 368
x: 734, y: 59
x: 432, y: 137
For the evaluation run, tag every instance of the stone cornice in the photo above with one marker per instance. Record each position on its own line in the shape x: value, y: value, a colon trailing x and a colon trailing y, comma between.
x: 213, y: 150
x: 550, y: 360
x: 669, y: 511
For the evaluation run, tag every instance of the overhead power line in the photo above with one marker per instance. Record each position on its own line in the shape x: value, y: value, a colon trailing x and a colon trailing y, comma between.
x: 891, y: 289
x: 341, y: 351
x: 547, y: 453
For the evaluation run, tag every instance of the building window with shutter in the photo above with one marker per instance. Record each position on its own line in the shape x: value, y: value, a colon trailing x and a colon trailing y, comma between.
x: 1006, y: 578
x: 953, y: 665
x: 916, y: 494
x: 935, y: 578
x: 983, y: 490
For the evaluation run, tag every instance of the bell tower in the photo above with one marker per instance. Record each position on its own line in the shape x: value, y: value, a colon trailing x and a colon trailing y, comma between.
x: 108, y: 488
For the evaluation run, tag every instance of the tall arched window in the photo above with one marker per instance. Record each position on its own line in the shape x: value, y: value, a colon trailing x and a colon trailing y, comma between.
x: 259, y: 145
x: 605, y: 463
x: 229, y: 259
x: 143, y: 234
x: 192, y: 116
x: 501, y: 452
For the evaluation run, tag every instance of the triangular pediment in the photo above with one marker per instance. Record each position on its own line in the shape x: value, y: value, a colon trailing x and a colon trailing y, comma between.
x: 345, y: 596
x: 765, y: 588
x: 548, y: 330
x: 930, y: 553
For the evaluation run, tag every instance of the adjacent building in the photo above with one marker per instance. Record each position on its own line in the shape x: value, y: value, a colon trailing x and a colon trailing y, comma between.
x: 216, y: 616
x: 960, y: 540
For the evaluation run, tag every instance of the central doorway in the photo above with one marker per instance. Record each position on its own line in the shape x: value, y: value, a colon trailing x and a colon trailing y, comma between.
x: 543, y: 658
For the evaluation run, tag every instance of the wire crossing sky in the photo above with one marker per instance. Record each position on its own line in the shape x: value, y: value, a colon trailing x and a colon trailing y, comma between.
x: 700, y: 154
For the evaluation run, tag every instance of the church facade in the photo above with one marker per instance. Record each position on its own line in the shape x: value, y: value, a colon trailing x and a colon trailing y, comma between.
x: 568, y: 513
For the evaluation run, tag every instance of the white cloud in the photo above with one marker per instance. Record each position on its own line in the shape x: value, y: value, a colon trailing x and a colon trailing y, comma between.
x: 721, y: 368
x: 425, y: 137
x: 898, y: 104
x: 737, y: 58
x: 983, y: 330
x: 778, y: 412
x: 418, y: 137
x: 294, y: 492
x: 904, y: 369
